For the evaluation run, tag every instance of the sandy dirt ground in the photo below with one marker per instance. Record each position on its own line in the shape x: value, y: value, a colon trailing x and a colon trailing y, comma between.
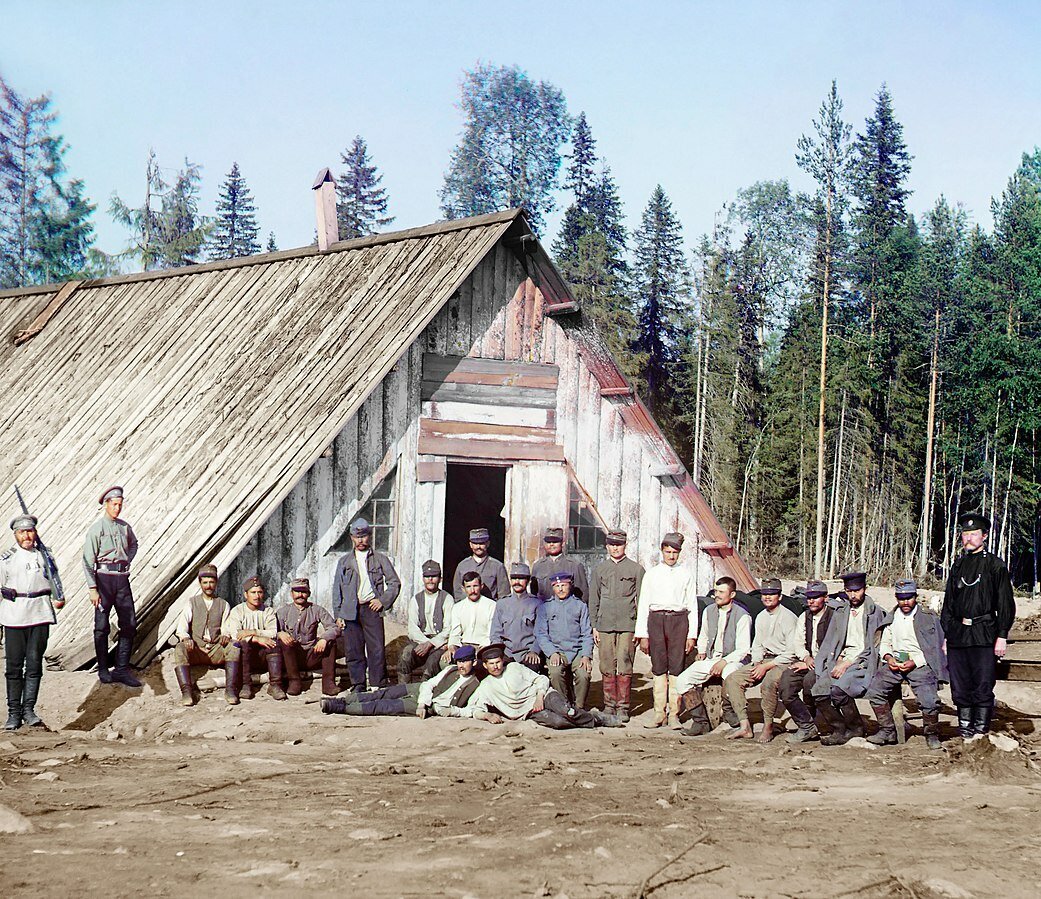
x: 132, y: 794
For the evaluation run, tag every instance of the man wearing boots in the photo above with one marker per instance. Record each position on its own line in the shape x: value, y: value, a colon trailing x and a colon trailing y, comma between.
x: 27, y: 607
x: 847, y: 660
x: 448, y: 694
x: 495, y: 583
x: 978, y: 611
x: 667, y: 624
x: 614, y: 592
x: 566, y: 640
x: 254, y: 630
x: 724, y: 645
x: 301, y: 644
x: 553, y: 561
x: 108, y: 551
x: 513, y: 623
x: 202, y: 633
x: 429, y: 624
x: 912, y: 651
x: 799, y: 677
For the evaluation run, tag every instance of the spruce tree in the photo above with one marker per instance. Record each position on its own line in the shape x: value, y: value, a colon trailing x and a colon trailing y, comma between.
x: 272, y: 246
x: 235, y: 229
x: 361, y: 203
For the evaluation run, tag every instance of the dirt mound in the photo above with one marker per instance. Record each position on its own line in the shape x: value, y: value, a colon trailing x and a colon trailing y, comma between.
x: 1030, y: 625
x: 995, y: 758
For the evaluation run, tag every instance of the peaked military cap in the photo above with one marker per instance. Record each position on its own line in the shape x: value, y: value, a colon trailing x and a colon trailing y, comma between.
x: 816, y: 588
x: 974, y: 521
x: 492, y: 651
x: 110, y: 493
x: 673, y: 539
x: 207, y: 571
x: 771, y: 587
x: 301, y: 585
x: 431, y: 568
x: 905, y: 587
x: 520, y: 569
x: 360, y: 527
x: 23, y: 522
x: 480, y: 535
x: 560, y: 576
x: 853, y: 580
x: 251, y: 582
x: 553, y: 535
x: 617, y: 538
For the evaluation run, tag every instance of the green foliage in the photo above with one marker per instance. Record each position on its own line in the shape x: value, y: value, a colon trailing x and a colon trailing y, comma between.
x: 235, y: 230
x: 361, y: 203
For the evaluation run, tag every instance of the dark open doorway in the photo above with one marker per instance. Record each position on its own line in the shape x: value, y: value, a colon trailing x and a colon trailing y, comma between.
x: 474, y: 498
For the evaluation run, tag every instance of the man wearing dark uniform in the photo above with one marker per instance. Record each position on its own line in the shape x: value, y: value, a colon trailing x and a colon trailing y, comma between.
x: 495, y: 583
x: 202, y: 632
x: 978, y: 611
x: 307, y: 636
x: 429, y: 624
x: 108, y: 550
x: 553, y: 561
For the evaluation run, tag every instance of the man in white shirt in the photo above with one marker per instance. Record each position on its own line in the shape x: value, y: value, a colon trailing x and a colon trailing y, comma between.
x: 801, y: 674
x: 471, y: 617
x: 254, y: 630
x: 667, y: 624
x: 774, y: 629
x: 429, y: 626
x: 202, y: 633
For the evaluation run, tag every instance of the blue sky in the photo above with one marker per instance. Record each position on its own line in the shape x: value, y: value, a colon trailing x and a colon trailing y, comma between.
x: 704, y: 98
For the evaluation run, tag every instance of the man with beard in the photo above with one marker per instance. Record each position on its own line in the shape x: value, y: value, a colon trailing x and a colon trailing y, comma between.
x: 202, y: 633
x: 495, y: 583
x: 797, y: 681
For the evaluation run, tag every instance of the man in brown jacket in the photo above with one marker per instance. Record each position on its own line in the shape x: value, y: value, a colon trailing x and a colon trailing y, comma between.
x: 308, y: 636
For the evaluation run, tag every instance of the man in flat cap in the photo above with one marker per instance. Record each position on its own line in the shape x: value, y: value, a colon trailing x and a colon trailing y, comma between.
x: 202, y: 633
x: 494, y: 580
x: 27, y: 611
x: 774, y: 629
x: 513, y: 623
x: 847, y: 659
x: 978, y: 612
x: 798, y: 679
x: 308, y: 637
x: 565, y: 638
x: 364, y: 589
x: 429, y: 624
x: 515, y: 692
x: 911, y: 649
x: 667, y: 624
x: 108, y: 551
x: 254, y: 632
x: 553, y: 560
x: 614, y: 593
x: 471, y: 617
x: 448, y: 694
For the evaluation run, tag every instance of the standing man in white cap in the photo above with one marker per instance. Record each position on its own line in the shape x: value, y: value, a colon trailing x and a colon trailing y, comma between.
x: 108, y: 551
x: 26, y: 614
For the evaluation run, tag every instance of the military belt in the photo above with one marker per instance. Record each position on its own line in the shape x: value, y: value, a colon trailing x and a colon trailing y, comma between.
x: 968, y: 622
x: 113, y: 568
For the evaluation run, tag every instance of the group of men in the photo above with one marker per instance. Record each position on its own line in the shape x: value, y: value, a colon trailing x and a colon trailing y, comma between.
x: 520, y: 644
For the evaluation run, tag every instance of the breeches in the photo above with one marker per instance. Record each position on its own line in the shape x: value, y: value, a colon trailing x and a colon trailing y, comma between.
x: 201, y: 654
x: 668, y: 638
x: 737, y: 683
x: 571, y: 681
x: 558, y: 714
x: 410, y: 662
x: 617, y: 652
x: 114, y: 590
x: 23, y: 650
x: 973, y: 670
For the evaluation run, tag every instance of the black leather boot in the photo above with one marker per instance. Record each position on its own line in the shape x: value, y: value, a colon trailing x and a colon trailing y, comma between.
x: 274, y: 675
x: 232, y: 676
x: 932, y: 730
x: 981, y: 717
x: 886, y: 735
x: 29, y: 695
x: 102, y: 655
x: 184, y: 681
x: 122, y: 673
x: 837, y: 728
x: 803, y: 718
x: 15, y: 691
x: 851, y: 719
x: 965, y: 722
x: 699, y: 724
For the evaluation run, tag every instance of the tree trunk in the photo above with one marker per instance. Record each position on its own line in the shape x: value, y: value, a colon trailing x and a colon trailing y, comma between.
x: 823, y: 382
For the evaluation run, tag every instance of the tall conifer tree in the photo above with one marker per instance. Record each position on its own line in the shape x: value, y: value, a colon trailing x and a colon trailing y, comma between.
x: 235, y: 230
x: 361, y: 203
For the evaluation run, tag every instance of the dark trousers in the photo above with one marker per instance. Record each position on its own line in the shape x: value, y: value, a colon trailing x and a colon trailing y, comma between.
x: 802, y: 708
x: 409, y: 663
x: 973, y: 671
x: 400, y: 699
x: 365, y: 645
x: 114, y: 590
x: 922, y: 680
x: 23, y: 658
x: 668, y: 638
x: 296, y: 659
x: 559, y: 715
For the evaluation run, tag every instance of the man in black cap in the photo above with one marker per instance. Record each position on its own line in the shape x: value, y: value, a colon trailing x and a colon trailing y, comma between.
x: 202, y: 633
x: 978, y: 611
x: 448, y: 694
x: 795, y: 689
x: 364, y: 589
x: 554, y: 560
x: 513, y: 623
x: 108, y: 550
x: 429, y: 624
x: 307, y: 636
x: 495, y: 582
x: 912, y: 652
x: 27, y: 604
x: 614, y: 593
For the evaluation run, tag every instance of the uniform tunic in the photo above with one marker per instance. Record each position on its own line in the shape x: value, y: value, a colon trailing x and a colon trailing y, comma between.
x: 547, y: 566
x: 513, y: 624
x: 562, y: 626
x: 979, y: 591
x: 108, y: 542
x: 495, y: 582
x: 614, y: 594
x: 304, y: 624
x: 23, y: 573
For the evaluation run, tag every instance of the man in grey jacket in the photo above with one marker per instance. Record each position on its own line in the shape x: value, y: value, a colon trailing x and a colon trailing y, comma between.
x: 364, y: 589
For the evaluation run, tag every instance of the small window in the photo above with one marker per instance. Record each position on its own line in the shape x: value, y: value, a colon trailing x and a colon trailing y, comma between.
x: 587, y: 536
x: 379, y: 511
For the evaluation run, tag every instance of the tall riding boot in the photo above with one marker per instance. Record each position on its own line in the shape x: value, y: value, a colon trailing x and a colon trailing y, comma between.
x: 836, y: 726
x: 674, y: 702
x: 232, y: 679
x: 982, y: 715
x: 15, y: 691
x: 291, y: 661
x: 932, y: 730
x: 274, y: 674
x: 803, y: 718
x: 851, y: 718
x: 184, y: 681
x: 610, y: 697
x: 245, y: 681
x: 965, y: 722
x: 623, y: 694
x: 661, y: 699
x: 122, y: 674
x: 694, y: 703
x: 329, y: 673
x: 333, y: 705
x: 29, y: 694
x: 101, y: 652
x: 886, y: 735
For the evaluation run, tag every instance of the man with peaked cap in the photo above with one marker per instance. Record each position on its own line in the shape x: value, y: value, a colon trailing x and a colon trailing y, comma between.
x: 364, y: 589
x: 108, y: 550
x: 471, y: 617
x: 911, y: 650
x: 27, y: 607
x: 614, y: 593
x: 799, y: 677
x: 253, y: 628
x: 774, y: 630
x: 495, y: 582
x: 308, y: 637
x: 514, y: 692
x: 448, y: 694
x: 847, y: 659
x: 202, y: 633
x: 554, y: 560
x: 667, y: 624
x: 429, y: 625
x: 978, y: 612
x: 513, y: 623
x: 565, y: 638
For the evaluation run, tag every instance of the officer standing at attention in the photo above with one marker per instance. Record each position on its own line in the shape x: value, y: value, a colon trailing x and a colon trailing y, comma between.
x: 978, y: 610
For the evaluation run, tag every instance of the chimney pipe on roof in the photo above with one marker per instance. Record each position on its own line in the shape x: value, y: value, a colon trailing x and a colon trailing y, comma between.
x: 324, y: 188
